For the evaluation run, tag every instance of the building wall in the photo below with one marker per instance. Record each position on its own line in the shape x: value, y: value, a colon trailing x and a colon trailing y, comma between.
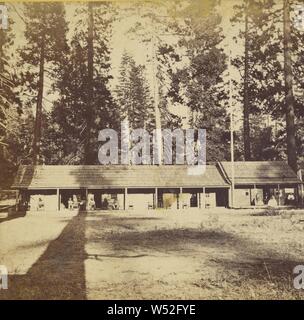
x: 210, y: 200
x: 242, y: 197
x: 140, y: 201
x: 43, y: 200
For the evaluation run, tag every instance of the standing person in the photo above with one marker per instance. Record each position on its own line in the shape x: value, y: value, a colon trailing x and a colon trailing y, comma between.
x: 70, y: 204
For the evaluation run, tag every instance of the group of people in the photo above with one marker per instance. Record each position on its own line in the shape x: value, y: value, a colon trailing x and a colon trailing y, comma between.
x: 272, y: 201
x: 74, y: 203
x: 259, y: 201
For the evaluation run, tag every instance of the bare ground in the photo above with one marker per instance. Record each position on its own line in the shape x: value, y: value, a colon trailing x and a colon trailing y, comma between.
x: 216, y: 254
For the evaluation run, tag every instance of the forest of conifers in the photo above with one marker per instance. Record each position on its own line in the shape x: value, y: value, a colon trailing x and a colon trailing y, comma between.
x: 70, y: 70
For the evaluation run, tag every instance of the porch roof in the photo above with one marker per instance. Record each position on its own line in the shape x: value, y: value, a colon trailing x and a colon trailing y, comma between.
x: 116, y: 176
x: 261, y: 172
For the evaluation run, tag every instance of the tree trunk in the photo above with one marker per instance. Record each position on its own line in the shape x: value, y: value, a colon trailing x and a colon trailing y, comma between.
x: 2, y: 42
x: 289, y: 97
x: 37, y: 129
x: 1, y: 52
x: 246, y: 112
x: 157, y: 114
x: 90, y: 94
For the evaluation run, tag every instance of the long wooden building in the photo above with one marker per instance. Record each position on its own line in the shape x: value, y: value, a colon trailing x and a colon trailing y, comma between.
x: 120, y: 187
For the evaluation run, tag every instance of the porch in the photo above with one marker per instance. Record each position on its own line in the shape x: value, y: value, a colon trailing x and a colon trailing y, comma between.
x: 121, y: 199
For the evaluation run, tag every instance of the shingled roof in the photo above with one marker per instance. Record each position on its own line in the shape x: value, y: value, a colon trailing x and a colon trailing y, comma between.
x: 116, y: 176
x: 261, y: 172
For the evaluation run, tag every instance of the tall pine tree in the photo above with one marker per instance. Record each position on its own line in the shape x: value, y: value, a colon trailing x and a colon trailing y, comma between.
x: 133, y: 95
x: 85, y: 104
x: 198, y: 82
x: 10, y: 106
x: 45, y: 33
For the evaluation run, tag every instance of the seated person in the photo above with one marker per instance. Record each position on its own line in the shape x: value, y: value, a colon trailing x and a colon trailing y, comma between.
x: 105, y: 204
x: 82, y: 204
x: 115, y: 205
x: 290, y: 199
x: 70, y: 204
x: 75, y: 202
x: 258, y: 200
x: 40, y: 204
x: 92, y: 204
x: 272, y: 202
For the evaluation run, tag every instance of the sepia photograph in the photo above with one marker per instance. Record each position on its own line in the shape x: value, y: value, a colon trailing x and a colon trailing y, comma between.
x: 152, y: 150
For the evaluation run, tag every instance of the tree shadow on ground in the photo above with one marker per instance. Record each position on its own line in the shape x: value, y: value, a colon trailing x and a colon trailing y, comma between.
x: 243, y: 258
x: 174, y: 239
x: 108, y: 221
x: 59, y: 273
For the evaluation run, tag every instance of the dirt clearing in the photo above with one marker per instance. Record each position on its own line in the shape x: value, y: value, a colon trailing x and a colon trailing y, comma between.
x: 156, y: 255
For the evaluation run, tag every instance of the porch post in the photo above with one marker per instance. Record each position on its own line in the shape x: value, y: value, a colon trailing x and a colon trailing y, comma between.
x: 156, y: 198
x: 301, y: 195
x: 199, y: 200
x: 125, y: 198
x: 58, y: 199
x: 86, y: 199
x: 279, y: 202
x: 180, y: 203
x: 204, y: 198
x: 232, y: 188
x: 17, y: 200
x: 255, y: 194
